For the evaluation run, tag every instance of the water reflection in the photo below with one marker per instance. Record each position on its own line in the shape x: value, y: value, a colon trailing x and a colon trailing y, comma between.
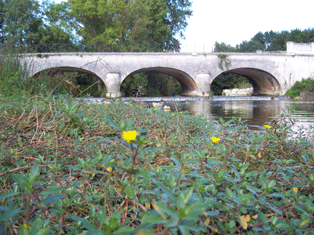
x: 258, y: 111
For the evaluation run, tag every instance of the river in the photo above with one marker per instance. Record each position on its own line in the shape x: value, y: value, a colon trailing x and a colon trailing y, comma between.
x: 258, y: 111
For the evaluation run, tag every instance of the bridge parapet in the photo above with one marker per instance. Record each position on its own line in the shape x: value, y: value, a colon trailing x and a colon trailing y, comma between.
x: 294, y: 48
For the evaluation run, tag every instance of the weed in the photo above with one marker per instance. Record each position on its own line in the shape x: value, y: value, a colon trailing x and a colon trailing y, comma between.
x: 69, y: 168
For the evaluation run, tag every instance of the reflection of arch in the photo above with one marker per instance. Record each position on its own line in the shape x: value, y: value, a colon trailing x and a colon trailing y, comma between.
x: 263, y: 82
x: 186, y: 81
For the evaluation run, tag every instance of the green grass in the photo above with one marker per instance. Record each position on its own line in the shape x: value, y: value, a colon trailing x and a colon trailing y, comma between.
x: 65, y: 169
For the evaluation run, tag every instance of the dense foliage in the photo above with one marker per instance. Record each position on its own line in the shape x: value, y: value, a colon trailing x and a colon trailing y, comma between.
x: 69, y: 168
x: 306, y: 85
x: 116, y: 25
x: 228, y: 81
x: 150, y: 84
x: 269, y: 41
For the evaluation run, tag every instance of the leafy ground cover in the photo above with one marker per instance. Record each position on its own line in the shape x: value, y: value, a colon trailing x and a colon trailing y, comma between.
x: 306, y: 85
x: 79, y: 168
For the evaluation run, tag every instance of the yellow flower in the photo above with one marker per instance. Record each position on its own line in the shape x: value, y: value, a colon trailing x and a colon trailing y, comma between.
x: 212, y: 179
x: 266, y: 126
x: 215, y: 139
x: 259, y: 155
x: 295, y: 190
x: 109, y: 169
x: 244, y: 219
x: 147, y: 204
x: 129, y: 135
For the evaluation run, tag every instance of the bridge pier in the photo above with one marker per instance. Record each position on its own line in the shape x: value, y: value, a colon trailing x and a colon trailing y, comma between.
x: 112, y: 82
x: 202, y: 81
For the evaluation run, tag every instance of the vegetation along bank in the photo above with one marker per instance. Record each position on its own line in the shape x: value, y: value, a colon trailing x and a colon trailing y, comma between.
x: 69, y: 168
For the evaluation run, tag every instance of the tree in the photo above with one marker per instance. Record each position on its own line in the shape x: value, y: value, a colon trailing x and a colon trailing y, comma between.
x: 127, y: 25
x: 22, y: 22
x: 223, y: 47
x: 58, y: 24
x: 2, y: 11
x: 179, y: 11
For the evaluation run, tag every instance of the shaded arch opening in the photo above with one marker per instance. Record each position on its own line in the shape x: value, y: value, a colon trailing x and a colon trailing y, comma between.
x: 157, y: 81
x: 70, y: 80
x: 263, y: 83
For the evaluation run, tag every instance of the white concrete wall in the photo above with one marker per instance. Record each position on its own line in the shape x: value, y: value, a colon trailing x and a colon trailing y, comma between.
x: 294, y: 48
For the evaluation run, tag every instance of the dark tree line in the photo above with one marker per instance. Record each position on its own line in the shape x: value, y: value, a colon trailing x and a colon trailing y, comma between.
x: 269, y: 41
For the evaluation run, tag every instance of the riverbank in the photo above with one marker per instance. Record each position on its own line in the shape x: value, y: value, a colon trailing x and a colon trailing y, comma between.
x: 71, y: 166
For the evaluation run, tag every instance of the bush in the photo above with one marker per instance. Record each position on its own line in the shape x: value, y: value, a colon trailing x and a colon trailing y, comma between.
x: 13, y: 74
x: 69, y: 168
x: 306, y: 85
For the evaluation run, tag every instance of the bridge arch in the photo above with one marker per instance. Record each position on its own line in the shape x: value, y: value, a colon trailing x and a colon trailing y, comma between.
x: 186, y: 81
x: 58, y: 69
x: 66, y: 69
x: 263, y: 82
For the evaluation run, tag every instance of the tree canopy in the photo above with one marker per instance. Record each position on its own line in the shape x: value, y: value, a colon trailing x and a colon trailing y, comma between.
x: 269, y: 41
x: 138, y: 25
x: 118, y: 25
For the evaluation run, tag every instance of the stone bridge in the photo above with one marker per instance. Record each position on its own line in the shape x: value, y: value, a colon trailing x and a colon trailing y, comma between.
x: 271, y: 73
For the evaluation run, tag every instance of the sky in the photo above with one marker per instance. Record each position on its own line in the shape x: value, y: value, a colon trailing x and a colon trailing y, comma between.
x: 233, y: 21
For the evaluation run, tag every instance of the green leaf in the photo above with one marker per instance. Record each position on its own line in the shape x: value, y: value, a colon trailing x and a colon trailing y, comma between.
x: 188, y: 194
x: 33, y: 173
x: 212, y: 213
x: 129, y: 123
x: 263, y: 218
x: 271, y: 184
x: 92, y: 230
x: 278, y: 195
x: 53, y: 198
x: 9, y: 214
x: 129, y: 190
x: 121, y: 149
x: 253, y: 189
x: 102, y: 217
x: 162, y: 208
x: 152, y: 218
x: 184, y: 230
x: 7, y: 195
x: 166, y: 190
x: 75, y: 218
x: 112, y: 123
x: 180, y: 201
x: 229, y: 194
x: 51, y: 191
x: 144, y: 173
x: 176, y: 160
x: 124, y: 231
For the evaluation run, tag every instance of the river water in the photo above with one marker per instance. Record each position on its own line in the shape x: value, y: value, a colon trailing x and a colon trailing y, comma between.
x: 258, y: 111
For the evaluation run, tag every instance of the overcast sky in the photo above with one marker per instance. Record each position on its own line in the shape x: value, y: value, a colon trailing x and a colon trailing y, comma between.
x: 233, y: 21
